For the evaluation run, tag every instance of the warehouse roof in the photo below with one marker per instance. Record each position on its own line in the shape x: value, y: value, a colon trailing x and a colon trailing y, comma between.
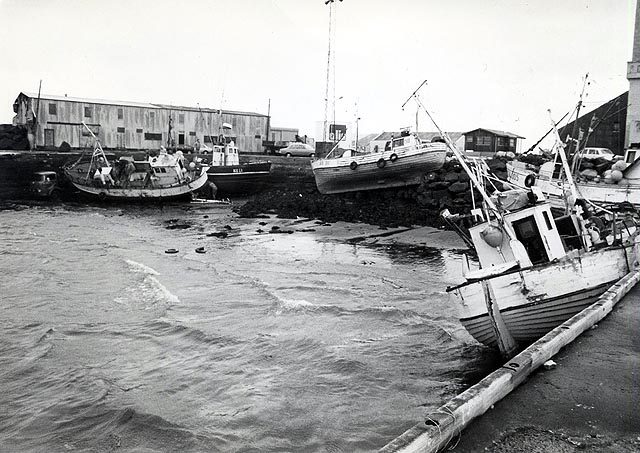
x: 133, y: 104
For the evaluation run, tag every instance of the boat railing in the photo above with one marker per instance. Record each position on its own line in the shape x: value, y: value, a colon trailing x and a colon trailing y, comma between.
x: 520, y: 270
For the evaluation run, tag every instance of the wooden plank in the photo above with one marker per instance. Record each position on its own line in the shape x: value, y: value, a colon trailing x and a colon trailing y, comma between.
x: 447, y: 422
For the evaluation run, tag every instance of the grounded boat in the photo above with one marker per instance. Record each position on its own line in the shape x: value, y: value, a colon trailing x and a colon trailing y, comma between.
x: 535, y: 271
x: 403, y: 162
x: 233, y: 178
x: 606, y: 191
x: 161, y: 177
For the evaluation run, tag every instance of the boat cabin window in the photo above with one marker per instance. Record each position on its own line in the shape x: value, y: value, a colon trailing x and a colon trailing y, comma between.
x: 568, y: 233
x: 527, y: 232
x: 398, y: 142
x: 387, y: 146
x: 547, y: 220
x: 557, y: 170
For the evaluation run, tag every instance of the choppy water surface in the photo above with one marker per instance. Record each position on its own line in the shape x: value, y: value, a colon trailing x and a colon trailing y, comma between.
x: 267, y: 342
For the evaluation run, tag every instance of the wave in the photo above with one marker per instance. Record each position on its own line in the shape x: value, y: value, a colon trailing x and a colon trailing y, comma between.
x: 167, y: 327
x: 139, y: 267
x: 151, y: 287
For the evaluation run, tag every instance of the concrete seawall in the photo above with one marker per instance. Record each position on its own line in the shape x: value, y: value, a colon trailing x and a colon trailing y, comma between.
x: 615, y: 370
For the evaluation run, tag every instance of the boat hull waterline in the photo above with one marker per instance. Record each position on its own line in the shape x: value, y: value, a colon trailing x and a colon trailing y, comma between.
x: 240, y: 179
x: 177, y: 190
x: 536, y: 300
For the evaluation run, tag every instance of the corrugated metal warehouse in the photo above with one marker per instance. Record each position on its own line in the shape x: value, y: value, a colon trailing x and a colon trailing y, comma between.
x: 52, y: 120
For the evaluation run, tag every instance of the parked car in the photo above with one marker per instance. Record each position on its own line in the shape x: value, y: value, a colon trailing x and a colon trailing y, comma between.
x: 298, y: 149
x: 596, y: 153
x: 44, y: 184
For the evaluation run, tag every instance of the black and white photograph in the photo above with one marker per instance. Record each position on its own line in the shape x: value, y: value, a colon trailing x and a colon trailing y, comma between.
x: 405, y: 226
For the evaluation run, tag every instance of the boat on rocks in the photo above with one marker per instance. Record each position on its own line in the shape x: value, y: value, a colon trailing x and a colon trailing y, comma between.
x: 158, y: 177
x: 535, y: 271
x: 403, y: 162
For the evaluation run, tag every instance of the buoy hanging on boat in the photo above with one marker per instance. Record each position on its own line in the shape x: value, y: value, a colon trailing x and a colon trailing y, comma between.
x: 171, y: 251
x: 492, y: 235
x: 201, y: 250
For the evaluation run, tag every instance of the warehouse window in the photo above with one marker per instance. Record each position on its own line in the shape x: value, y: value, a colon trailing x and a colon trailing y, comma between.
x: 139, y: 131
x: 53, y: 109
x: 181, y: 118
x: 87, y: 112
x: 512, y: 142
x: 192, y: 134
x: 152, y: 117
x: 120, y: 113
x: 121, y: 129
x: 152, y: 136
x: 470, y: 139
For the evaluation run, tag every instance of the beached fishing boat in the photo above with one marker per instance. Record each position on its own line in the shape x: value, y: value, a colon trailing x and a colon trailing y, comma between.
x: 535, y: 271
x: 233, y: 178
x: 611, y: 190
x: 228, y: 175
x: 158, y: 177
x: 404, y: 162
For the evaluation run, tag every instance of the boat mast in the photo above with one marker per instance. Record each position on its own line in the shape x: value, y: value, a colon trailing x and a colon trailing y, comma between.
x: 331, y: 62
x: 565, y: 164
x: 576, y: 132
x: 463, y: 163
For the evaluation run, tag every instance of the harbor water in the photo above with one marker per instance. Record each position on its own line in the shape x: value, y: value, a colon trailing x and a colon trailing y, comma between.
x: 286, y: 335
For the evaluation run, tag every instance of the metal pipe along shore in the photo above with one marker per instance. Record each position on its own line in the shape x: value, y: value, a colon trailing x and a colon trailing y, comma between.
x: 450, y: 419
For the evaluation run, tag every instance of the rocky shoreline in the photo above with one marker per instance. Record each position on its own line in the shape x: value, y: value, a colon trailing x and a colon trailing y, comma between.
x: 292, y: 192
x: 447, y: 188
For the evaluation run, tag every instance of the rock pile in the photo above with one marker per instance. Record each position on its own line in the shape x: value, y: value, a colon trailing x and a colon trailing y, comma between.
x: 13, y: 137
x: 447, y: 188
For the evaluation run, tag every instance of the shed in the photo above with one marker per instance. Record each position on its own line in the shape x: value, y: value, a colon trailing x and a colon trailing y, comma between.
x: 490, y: 141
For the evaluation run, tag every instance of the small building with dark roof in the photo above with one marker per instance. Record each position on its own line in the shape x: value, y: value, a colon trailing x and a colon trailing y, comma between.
x: 490, y: 141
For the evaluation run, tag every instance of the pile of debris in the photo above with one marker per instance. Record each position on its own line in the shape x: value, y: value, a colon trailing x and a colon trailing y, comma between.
x: 13, y: 138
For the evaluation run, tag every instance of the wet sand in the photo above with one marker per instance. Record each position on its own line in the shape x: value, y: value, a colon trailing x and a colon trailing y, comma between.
x: 588, y: 402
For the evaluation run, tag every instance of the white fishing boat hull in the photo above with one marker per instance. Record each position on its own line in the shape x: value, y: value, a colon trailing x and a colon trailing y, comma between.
x: 534, y: 301
x: 166, y: 192
x: 393, y: 168
x: 557, y: 191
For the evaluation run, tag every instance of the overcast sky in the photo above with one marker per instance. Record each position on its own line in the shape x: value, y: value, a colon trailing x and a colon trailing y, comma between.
x: 496, y: 64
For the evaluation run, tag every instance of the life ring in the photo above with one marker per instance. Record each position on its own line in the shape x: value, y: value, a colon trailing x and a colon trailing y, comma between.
x: 171, y: 251
x: 381, y: 163
x: 154, y: 160
x: 530, y: 180
x: 393, y: 157
x: 353, y: 165
x: 102, y: 196
x: 201, y: 250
